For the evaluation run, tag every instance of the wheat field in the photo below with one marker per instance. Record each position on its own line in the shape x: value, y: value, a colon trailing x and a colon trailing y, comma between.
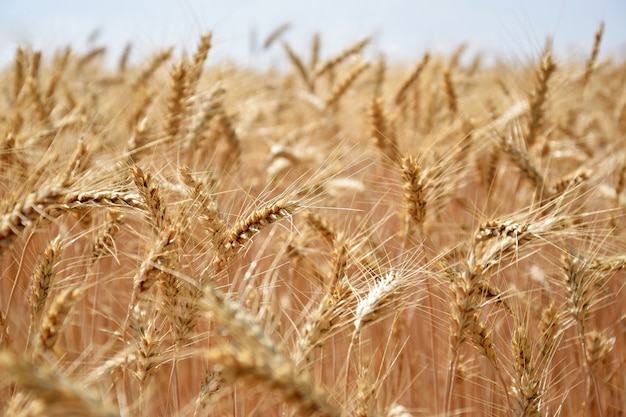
x: 346, y: 237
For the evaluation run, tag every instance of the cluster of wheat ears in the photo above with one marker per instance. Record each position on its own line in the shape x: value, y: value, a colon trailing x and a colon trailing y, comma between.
x: 344, y: 238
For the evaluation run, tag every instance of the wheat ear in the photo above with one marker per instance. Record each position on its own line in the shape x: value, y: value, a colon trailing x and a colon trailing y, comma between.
x: 252, y: 356
x: 54, y: 320
x: 152, y: 66
x: 244, y: 230
x: 382, y: 132
x: 333, y: 61
x: 42, y: 277
x: 343, y: 85
x: 411, y: 80
x: 589, y: 66
x: 60, y: 395
x: 539, y: 97
x: 296, y: 61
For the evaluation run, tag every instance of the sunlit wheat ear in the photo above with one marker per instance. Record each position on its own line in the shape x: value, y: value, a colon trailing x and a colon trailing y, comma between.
x: 232, y: 140
x: 200, y: 122
x: 42, y: 277
x: 333, y: 61
x: 59, y: 395
x: 276, y: 34
x: 522, y: 160
x: 526, y: 389
x: 33, y: 89
x: 591, y: 61
x: 411, y: 80
x: 202, y: 192
x: 599, y: 345
x: 159, y: 260
x: 19, y: 73
x: 176, y: 101
x: 154, y: 64
x: 149, y: 191
x: 366, y: 393
x: 383, y: 132
x: 103, y: 242
x: 451, y: 95
x: 414, y: 189
x: 333, y: 308
x: 252, y: 356
x: 199, y: 58
x: 582, y: 283
x: 23, y: 213
x: 146, y: 349
x: 320, y: 224
x: 59, y: 68
x: 209, y: 393
x: 244, y: 230
x: 384, y: 293
x: 343, y: 85
x: 54, y: 320
x: 538, y: 97
x: 296, y: 61
x: 122, y: 63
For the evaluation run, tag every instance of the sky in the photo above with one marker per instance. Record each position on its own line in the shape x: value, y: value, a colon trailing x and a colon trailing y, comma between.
x: 402, y: 29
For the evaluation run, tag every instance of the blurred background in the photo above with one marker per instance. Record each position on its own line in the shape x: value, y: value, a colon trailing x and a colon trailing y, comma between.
x: 403, y: 29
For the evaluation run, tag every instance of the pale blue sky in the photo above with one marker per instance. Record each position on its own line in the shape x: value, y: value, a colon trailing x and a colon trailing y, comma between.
x: 403, y: 29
